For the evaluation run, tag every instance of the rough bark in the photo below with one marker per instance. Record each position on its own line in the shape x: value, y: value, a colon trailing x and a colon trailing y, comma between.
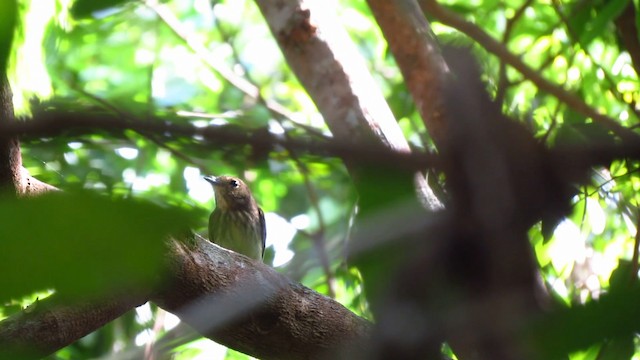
x: 10, y: 159
x: 250, y: 307
x: 243, y: 304
x: 417, y: 54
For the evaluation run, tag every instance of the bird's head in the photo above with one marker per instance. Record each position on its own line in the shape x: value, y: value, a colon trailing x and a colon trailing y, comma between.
x: 231, y: 193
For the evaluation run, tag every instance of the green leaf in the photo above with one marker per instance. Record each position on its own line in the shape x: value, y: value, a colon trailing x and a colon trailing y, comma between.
x: 82, y: 9
x: 614, y: 316
x: 620, y: 348
x: 581, y: 14
x: 583, y: 134
x: 548, y: 226
x: 605, y: 15
x: 81, y: 244
x: 8, y: 14
x: 636, y: 3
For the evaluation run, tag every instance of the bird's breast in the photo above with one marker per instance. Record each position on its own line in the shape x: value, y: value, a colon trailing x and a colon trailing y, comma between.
x: 239, y: 231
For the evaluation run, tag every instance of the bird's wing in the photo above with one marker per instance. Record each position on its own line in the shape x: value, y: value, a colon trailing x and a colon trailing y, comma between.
x: 263, y: 229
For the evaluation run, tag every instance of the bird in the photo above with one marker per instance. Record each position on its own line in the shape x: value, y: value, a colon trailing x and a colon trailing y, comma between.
x: 237, y: 222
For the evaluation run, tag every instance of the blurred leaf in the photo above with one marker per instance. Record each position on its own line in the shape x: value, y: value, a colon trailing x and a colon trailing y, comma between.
x: 605, y: 16
x: 86, y: 8
x: 615, y: 315
x: 618, y: 349
x: 549, y: 225
x: 81, y: 244
x: 583, y: 134
x: 636, y: 4
x: 8, y: 14
x: 580, y: 15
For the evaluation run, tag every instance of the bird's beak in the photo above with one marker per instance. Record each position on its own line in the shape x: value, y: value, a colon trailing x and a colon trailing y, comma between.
x: 211, y: 180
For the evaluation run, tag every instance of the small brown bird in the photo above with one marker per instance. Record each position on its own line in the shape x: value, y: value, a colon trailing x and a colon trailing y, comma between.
x: 237, y: 223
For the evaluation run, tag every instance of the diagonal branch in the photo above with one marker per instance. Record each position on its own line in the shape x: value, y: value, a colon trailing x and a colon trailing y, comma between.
x: 417, y: 54
x: 258, y: 311
x: 228, y: 298
x: 53, y: 323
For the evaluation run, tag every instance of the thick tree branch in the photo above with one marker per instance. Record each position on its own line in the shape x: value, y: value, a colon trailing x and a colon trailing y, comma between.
x: 227, y: 297
x: 250, y: 307
x: 417, y: 53
x: 450, y: 18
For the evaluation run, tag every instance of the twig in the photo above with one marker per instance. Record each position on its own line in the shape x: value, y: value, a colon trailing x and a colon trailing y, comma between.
x: 628, y: 30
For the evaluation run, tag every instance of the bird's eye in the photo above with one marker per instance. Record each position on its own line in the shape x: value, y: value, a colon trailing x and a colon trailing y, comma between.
x: 234, y: 184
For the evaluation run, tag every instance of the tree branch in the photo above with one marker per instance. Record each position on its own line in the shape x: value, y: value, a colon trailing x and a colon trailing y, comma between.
x: 78, y: 123
x: 243, y: 304
x: 55, y: 322
x: 417, y: 54
x: 257, y: 310
x: 503, y: 80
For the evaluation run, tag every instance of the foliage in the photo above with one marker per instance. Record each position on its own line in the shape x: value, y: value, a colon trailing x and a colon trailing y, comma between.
x: 91, y: 239
x: 122, y: 57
